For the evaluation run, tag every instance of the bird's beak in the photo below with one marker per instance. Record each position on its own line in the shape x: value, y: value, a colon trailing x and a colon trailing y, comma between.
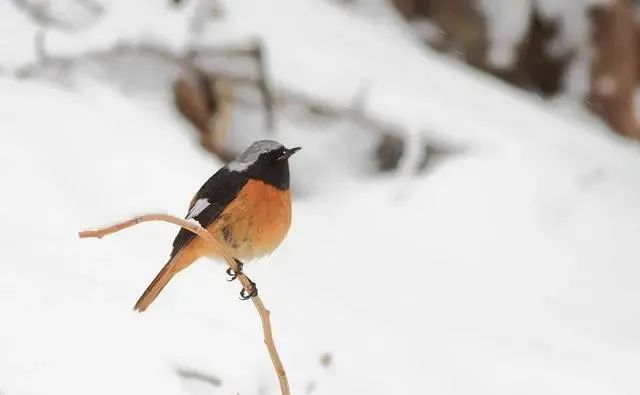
x: 288, y: 152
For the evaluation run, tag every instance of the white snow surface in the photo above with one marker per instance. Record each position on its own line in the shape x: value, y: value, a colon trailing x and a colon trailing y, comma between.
x: 509, y: 268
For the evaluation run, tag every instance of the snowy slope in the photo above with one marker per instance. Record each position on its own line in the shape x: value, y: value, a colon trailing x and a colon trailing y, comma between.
x: 509, y: 269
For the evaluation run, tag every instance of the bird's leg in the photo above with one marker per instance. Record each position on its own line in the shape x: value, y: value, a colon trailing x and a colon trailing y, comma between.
x: 244, y: 293
x: 231, y: 273
x: 247, y: 294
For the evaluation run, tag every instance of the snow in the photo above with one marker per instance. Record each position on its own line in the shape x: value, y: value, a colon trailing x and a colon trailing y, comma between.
x: 124, y: 21
x: 505, y: 33
x: 509, y: 268
x: 15, y: 48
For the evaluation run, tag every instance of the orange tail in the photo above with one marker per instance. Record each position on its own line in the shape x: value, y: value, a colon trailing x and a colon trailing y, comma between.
x: 181, y: 260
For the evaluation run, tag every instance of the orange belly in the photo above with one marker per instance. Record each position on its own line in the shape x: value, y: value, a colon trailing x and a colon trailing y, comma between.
x: 254, y: 224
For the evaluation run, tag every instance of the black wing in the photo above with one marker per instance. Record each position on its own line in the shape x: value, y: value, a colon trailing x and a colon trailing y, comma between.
x: 219, y: 190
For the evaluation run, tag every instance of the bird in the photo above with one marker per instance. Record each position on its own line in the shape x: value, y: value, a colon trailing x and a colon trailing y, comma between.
x: 245, y: 205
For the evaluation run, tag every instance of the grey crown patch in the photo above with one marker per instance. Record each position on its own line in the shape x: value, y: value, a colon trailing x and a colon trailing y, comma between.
x: 251, y: 154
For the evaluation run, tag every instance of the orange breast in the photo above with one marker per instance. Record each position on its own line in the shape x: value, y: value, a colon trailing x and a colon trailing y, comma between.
x: 256, y: 222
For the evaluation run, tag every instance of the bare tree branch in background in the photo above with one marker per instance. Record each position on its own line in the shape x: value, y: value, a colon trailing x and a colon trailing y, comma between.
x: 205, y: 97
x: 41, y: 14
x: 207, y: 108
x: 39, y: 45
x: 66, y: 62
x: 256, y: 52
x: 318, y: 107
x: 191, y: 374
x: 263, y: 85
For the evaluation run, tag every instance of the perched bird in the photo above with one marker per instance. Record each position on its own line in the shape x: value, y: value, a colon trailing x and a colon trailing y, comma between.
x: 246, y: 205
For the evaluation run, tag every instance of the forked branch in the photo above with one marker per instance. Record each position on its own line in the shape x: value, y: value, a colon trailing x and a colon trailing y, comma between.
x: 246, y: 283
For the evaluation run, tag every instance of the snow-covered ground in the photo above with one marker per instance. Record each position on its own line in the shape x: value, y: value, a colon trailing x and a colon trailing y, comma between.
x: 509, y: 268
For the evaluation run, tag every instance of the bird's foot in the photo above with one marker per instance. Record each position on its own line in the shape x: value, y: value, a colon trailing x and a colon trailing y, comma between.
x: 233, y: 274
x: 244, y: 294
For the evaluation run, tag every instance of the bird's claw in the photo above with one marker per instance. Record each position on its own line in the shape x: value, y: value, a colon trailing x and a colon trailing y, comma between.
x: 232, y: 273
x: 245, y: 295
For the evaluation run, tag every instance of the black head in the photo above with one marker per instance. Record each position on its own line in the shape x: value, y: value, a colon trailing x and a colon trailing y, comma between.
x: 267, y: 161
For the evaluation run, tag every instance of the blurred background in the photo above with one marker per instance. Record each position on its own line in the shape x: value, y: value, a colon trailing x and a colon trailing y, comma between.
x: 466, y: 214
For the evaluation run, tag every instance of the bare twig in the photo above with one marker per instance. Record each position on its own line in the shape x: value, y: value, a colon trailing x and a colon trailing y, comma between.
x: 200, y: 376
x: 246, y: 283
x: 65, y: 62
x: 39, y: 45
x: 186, y: 60
x: 41, y: 14
x: 256, y: 51
x: 92, y: 6
x: 263, y: 85
x: 354, y: 113
x: 190, y: 61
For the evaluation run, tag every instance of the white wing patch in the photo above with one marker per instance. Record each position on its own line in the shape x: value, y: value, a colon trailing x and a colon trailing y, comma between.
x: 198, y: 207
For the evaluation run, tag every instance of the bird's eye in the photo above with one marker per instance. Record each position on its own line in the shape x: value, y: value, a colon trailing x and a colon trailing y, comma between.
x: 276, y: 155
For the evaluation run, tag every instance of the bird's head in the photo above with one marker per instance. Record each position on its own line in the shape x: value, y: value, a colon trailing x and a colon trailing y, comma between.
x: 265, y: 160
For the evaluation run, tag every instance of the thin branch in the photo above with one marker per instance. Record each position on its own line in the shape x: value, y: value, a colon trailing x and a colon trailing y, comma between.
x: 185, y: 60
x: 263, y: 85
x: 283, y: 99
x: 271, y: 100
x: 246, y: 283
x: 200, y: 376
x: 68, y: 61
x: 41, y: 14
x: 39, y: 45
x: 353, y: 113
x: 92, y: 6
